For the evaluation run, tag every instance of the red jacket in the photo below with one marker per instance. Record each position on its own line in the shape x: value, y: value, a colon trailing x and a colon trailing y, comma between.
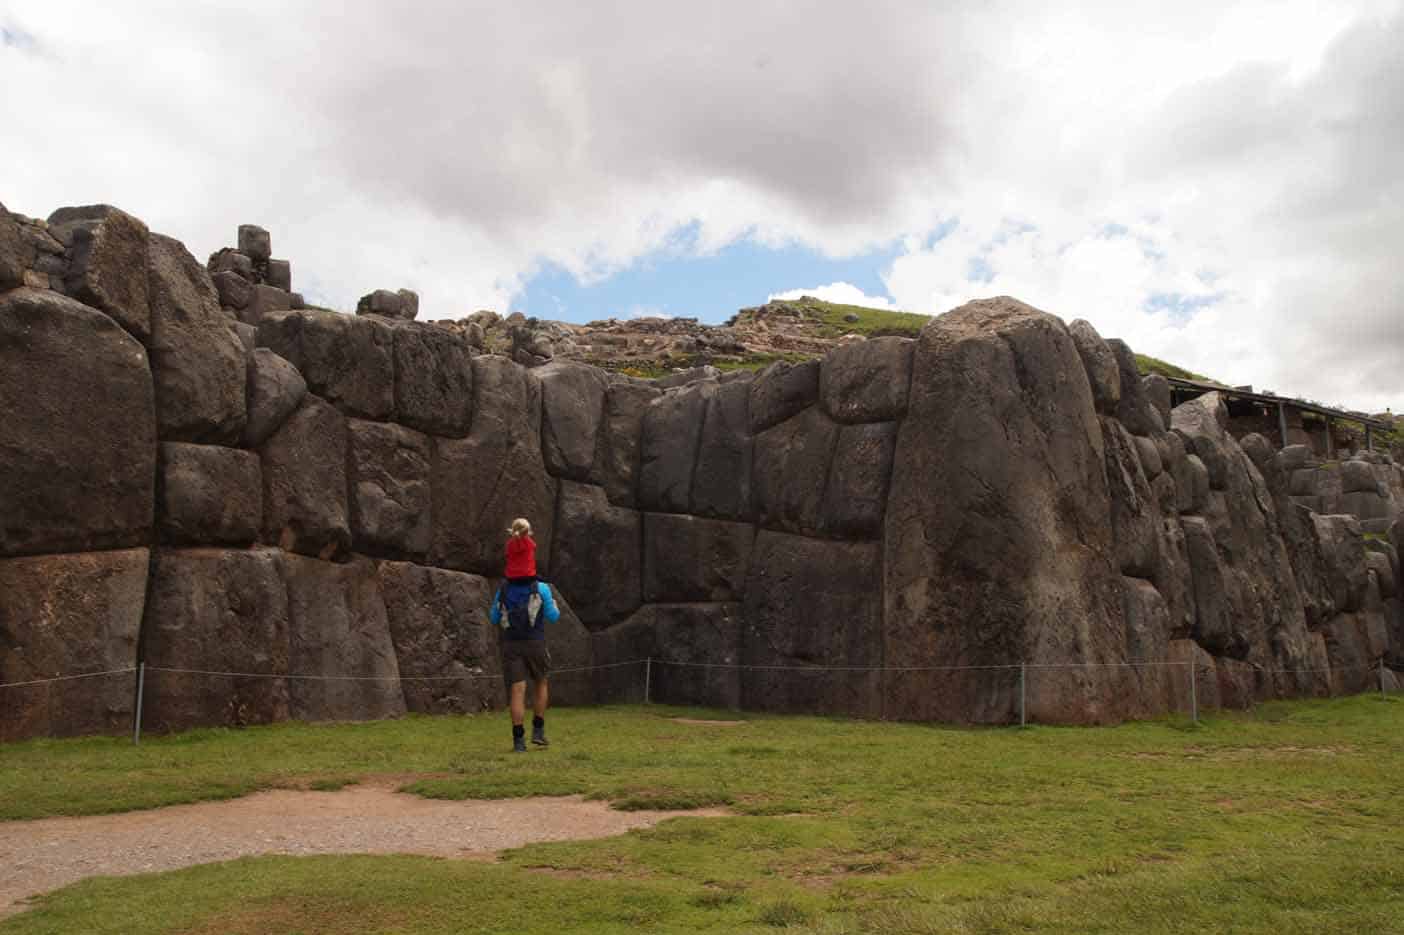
x: 521, y: 557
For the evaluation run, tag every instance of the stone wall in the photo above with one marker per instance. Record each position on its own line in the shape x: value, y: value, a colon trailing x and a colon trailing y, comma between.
x: 204, y: 475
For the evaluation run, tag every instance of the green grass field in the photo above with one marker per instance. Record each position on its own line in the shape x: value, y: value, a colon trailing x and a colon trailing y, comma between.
x: 1289, y: 818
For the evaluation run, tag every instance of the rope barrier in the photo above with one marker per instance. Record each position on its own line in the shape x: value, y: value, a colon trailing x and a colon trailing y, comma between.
x: 377, y: 678
x: 67, y: 678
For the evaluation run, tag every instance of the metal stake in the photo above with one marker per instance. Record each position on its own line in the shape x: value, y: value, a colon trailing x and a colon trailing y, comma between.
x: 1194, y: 694
x: 1382, y: 677
x: 648, y: 680
x: 1023, y: 721
x: 141, y: 690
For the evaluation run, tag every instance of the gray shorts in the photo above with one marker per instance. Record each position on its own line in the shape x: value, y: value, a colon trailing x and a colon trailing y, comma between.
x: 525, y: 659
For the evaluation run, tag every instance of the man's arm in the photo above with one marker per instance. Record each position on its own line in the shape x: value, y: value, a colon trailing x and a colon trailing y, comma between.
x: 548, y: 603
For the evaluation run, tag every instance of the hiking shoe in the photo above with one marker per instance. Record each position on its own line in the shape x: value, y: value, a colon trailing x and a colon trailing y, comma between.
x: 538, y: 737
x: 519, y: 745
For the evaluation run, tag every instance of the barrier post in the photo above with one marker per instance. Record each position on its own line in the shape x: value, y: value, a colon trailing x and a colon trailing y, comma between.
x: 1194, y: 693
x: 141, y: 690
x: 1382, y: 678
x: 648, y: 680
x: 1023, y: 719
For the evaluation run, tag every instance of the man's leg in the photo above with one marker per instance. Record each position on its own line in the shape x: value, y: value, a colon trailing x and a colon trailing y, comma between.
x: 538, y: 708
x: 516, y: 705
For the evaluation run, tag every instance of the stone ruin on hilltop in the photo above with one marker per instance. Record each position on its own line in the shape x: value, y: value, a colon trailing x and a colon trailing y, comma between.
x: 204, y: 475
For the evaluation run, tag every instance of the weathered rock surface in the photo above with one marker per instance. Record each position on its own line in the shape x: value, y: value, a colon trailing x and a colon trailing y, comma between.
x: 215, y: 610
x: 1101, y: 365
x: 672, y: 428
x: 867, y: 381
x: 782, y: 390
x: 338, y: 629
x: 433, y: 381
x: 616, y: 462
x: 596, y: 557
x: 78, y: 440
x: 198, y: 363
x: 389, y: 472
x: 572, y: 406
x: 346, y: 360
x: 274, y: 391
x: 208, y: 495
x: 791, y: 471
x: 686, y: 558
x: 694, y: 648
x: 721, y: 479
x: 855, y: 493
x: 446, y: 650
x: 107, y: 262
x: 482, y: 482
x: 304, y: 483
x: 64, y: 615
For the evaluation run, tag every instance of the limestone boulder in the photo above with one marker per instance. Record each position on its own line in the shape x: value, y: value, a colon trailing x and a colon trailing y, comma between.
x: 811, y: 603
x: 1148, y: 633
x: 255, y: 243
x: 107, y: 263
x: 78, y: 440
x: 482, y: 482
x: 1342, y: 551
x: 234, y: 290
x: 1379, y: 563
x: 596, y: 554
x: 790, y: 473
x: 1216, y: 628
x: 1191, y: 484
x: 695, y: 649
x: 572, y: 655
x: 1134, y: 410
x: 63, y: 615
x: 687, y: 559
x: 1202, y: 423
x: 274, y: 392
x: 346, y: 360
x: 444, y: 646
x: 264, y: 301
x: 208, y: 495
x: 782, y: 390
x: 997, y: 543
x: 1354, y: 668
x: 672, y: 428
x: 1135, y: 512
x: 855, y: 494
x: 304, y: 483
x: 433, y: 380
x: 1358, y: 477
x: 867, y: 381
x: 572, y: 409
x: 1157, y: 390
x: 198, y: 363
x: 1100, y: 364
x: 16, y: 256
x: 721, y: 480
x: 338, y: 629
x: 389, y: 485
x: 616, y: 461
x: 215, y: 610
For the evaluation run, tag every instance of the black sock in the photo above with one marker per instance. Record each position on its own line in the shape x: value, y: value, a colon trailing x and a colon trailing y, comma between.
x: 518, y: 731
x: 538, y: 722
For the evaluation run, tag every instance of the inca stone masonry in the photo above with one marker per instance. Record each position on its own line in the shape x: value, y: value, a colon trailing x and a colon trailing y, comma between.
x: 200, y: 473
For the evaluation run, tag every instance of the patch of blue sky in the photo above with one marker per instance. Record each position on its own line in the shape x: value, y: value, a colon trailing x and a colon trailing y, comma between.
x: 1177, y: 306
x: 678, y: 282
x: 12, y: 37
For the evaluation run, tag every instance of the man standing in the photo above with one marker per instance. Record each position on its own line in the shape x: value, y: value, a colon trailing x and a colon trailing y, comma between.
x: 522, y: 609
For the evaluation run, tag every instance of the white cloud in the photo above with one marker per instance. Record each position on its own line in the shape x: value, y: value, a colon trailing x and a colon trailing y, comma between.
x: 1248, y: 149
x: 842, y: 293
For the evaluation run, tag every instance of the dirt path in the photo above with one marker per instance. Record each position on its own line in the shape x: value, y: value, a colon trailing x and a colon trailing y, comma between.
x: 371, y: 818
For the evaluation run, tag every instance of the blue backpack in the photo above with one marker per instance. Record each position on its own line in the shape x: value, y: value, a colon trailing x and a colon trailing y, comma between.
x: 520, y: 612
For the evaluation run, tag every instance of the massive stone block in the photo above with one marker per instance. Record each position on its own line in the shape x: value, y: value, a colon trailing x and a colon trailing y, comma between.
x: 216, y: 610
x: 198, y: 363
x: 572, y: 655
x: 1134, y: 410
x: 389, y: 469
x: 855, y: 494
x: 1148, y: 633
x: 721, y: 481
x: 616, y: 462
x: 107, y: 262
x: 275, y: 390
x: 596, y: 557
x: 482, y: 482
x: 572, y: 407
x: 672, y: 427
x: 346, y: 359
x: 208, y: 495
x: 446, y: 650
x: 66, y: 615
x: 997, y: 540
x: 695, y: 651
x: 337, y: 627
x: 78, y: 438
x: 791, y: 470
x: 433, y: 380
x: 1101, y: 366
x: 1135, y: 512
x: 686, y: 558
x: 867, y: 381
x: 782, y: 390
x: 1342, y: 552
x: 811, y: 603
x: 304, y: 483
x: 15, y: 254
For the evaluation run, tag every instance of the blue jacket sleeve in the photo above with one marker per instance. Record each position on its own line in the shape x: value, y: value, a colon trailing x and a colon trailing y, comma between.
x: 548, y: 603
x: 495, y: 612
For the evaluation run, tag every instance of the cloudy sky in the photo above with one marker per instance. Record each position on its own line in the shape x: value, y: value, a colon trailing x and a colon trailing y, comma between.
x: 1219, y: 183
